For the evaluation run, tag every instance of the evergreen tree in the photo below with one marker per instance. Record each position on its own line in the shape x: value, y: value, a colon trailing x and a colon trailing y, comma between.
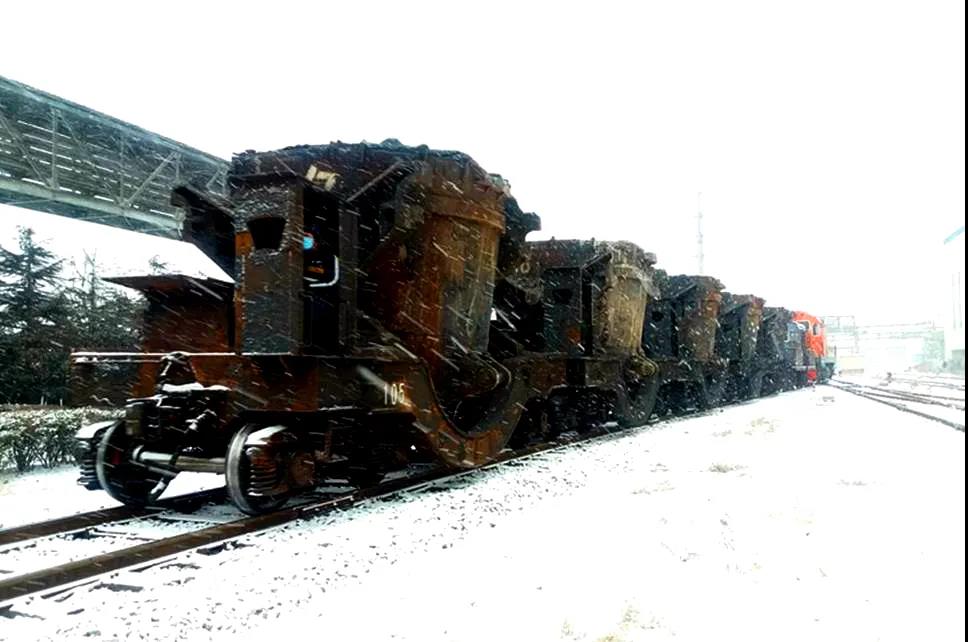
x: 103, y: 317
x: 33, y: 328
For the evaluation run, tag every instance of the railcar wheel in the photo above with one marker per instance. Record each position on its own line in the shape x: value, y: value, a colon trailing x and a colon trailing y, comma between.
x: 643, y: 402
x: 712, y: 393
x: 126, y: 481
x: 85, y: 453
x: 533, y: 426
x: 364, y: 478
x: 754, y: 385
x: 246, y: 468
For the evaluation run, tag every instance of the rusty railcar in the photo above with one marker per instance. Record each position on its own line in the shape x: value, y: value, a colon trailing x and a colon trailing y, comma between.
x: 680, y: 336
x: 779, y: 351
x: 740, y: 317
x: 581, y: 304
x: 384, y: 308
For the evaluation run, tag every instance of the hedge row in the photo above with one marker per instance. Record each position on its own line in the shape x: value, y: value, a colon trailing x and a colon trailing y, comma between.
x: 30, y: 436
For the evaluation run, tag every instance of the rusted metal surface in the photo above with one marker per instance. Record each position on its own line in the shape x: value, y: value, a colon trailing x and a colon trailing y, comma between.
x: 184, y: 313
x: 684, y: 319
x: 594, y: 295
x: 429, y: 223
x: 437, y: 285
x: 776, y: 354
x: 209, y: 224
x: 680, y: 335
x: 701, y: 297
x: 739, y: 322
x: 771, y: 343
x: 740, y: 317
x: 582, y: 303
x: 270, y: 210
x: 794, y: 352
x: 361, y: 318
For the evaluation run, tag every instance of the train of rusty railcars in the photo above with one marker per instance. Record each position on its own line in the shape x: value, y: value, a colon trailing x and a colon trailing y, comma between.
x: 384, y: 310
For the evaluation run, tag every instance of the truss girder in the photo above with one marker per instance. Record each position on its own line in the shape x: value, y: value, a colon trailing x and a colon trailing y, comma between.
x: 58, y: 156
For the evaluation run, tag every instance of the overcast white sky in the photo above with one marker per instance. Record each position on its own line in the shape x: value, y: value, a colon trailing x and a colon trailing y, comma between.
x: 827, y: 138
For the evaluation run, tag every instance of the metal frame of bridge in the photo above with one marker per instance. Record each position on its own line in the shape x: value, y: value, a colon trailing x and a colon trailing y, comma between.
x: 853, y: 343
x: 848, y: 326
x: 60, y: 157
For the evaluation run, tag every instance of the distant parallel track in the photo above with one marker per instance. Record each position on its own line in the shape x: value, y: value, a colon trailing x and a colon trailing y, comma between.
x: 856, y: 389
x: 958, y: 403
x: 950, y: 383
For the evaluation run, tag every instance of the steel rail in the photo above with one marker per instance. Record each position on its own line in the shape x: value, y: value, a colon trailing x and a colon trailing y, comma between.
x: 80, y: 521
x: 860, y: 393
x: 65, y: 576
x: 917, y: 399
x: 913, y: 397
x: 934, y: 383
x: 906, y: 395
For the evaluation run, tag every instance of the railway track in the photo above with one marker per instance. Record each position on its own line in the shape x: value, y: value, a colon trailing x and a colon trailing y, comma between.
x: 92, y: 519
x: 949, y: 383
x: 201, y: 532
x: 903, y: 400
x: 55, y: 580
x: 957, y: 403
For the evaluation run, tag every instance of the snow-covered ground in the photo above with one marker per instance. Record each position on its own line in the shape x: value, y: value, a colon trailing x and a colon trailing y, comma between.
x: 816, y: 515
x: 44, y: 494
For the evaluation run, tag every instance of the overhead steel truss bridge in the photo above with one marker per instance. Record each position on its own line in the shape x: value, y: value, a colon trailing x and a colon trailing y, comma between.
x: 60, y: 157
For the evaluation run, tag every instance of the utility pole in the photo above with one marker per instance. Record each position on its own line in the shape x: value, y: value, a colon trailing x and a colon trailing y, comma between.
x: 701, y: 255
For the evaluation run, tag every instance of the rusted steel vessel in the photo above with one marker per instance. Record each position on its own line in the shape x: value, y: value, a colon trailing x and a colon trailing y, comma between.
x: 680, y: 336
x: 384, y: 308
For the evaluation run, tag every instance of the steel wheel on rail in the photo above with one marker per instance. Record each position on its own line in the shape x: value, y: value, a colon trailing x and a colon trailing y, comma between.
x: 128, y: 482
x: 247, y: 468
x: 754, y: 386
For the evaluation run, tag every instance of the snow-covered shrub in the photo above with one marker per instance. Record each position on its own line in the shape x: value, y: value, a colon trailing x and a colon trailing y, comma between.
x: 18, y: 441
x: 33, y: 435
